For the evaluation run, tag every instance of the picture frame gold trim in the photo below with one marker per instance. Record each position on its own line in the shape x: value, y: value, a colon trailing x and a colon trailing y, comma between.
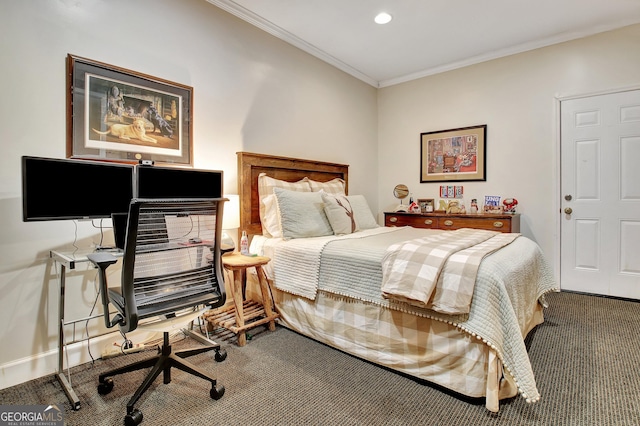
x: 116, y: 114
x: 454, y: 155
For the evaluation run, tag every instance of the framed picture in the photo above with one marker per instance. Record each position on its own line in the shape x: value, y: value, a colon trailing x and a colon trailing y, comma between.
x: 453, y: 155
x: 121, y: 115
x: 426, y: 205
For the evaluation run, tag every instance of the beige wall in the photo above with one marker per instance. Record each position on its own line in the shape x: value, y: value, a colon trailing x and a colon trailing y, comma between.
x: 252, y: 92
x: 516, y: 97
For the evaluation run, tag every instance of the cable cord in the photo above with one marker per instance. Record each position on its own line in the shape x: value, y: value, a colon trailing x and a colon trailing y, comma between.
x: 86, y: 324
x: 126, y: 344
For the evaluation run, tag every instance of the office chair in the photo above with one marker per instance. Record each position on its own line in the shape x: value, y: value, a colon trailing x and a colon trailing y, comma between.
x: 170, y: 269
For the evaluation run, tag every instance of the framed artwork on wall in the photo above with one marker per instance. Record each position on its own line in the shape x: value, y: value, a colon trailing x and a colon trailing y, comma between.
x: 453, y: 155
x: 121, y: 115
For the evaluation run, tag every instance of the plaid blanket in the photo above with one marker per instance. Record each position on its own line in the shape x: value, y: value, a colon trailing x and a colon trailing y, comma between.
x: 439, y: 272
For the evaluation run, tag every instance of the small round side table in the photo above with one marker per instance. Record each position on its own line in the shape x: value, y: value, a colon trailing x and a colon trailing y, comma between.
x: 245, y: 314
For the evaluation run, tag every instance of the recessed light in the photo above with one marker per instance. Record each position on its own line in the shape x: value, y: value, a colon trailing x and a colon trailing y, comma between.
x: 383, y: 18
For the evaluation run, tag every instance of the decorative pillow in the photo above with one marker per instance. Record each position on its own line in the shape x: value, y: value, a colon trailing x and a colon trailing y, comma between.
x: 302, y: 214
x: 362, y: 212
x: 340, y: 213
x: 266, y: 185
x: 271, y: 223
x: 334, y: 186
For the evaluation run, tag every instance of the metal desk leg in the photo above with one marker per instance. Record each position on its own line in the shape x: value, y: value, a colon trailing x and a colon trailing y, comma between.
x: 66, y: 386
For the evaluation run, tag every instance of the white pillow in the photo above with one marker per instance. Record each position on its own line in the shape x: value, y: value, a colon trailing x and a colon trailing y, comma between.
x: 266, y: 185
x: 362, y: 212
x: 334, y: 186
x: 340, y: 213
x: 302, y: 214
x: 271, y: 223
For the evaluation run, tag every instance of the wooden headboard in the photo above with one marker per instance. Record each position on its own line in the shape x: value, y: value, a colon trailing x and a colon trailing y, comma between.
x: 250, y: 165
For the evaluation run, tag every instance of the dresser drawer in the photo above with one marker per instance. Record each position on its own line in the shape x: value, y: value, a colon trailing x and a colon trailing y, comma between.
x: 416, y: 221
x: 492, y: 224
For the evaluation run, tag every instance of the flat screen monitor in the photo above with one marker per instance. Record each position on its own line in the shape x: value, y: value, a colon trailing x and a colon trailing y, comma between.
x: 172, y: 182
x: 61, y: 189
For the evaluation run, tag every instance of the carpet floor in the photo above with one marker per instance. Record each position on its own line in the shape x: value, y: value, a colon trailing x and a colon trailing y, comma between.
x: 585, y: 357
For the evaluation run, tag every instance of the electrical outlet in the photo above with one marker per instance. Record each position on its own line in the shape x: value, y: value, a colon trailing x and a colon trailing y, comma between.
x: 114, y: 351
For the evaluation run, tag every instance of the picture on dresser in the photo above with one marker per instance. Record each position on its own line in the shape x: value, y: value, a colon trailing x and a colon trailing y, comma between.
x: 426, y: 205
x: 453, y: 155
x: 451, y: 191
x: 492, y: 204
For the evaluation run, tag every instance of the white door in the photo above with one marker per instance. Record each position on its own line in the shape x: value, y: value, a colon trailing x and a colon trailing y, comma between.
x: 600, y: 189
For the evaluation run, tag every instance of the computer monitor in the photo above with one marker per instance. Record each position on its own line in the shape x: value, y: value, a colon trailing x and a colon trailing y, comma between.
x: 62, y: 189
x: 173, y: 182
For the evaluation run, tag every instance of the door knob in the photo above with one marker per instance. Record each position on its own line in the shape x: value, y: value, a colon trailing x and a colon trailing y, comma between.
x: 568, y: 210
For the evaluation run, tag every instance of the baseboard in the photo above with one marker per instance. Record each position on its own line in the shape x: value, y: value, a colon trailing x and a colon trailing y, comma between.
x: 46, y: 363
x: 606, y: 296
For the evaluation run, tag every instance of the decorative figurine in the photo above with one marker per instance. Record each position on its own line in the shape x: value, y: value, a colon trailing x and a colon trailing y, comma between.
x: 454, y: 207
x: 474, y: 206
x: 510, y: 205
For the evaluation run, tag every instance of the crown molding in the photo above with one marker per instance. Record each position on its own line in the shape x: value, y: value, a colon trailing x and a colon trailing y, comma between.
x: 514, y: 50
x: 269, y: 27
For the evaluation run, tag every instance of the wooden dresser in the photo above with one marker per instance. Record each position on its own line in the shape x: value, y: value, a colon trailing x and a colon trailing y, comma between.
x: 494, y: 222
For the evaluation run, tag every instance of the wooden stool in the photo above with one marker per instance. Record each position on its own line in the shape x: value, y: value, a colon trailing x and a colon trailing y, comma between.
x: 244, y: 314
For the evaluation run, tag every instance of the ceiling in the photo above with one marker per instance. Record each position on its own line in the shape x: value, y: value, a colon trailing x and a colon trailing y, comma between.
x: 426, y: 37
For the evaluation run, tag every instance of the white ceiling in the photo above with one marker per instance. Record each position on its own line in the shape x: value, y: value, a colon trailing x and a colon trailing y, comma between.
x: 427, y: 36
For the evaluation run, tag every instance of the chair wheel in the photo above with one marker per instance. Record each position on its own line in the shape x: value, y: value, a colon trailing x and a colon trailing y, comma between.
x: 221, y: 355
x: 106, y: 386
x: 133, y: 419
x: 216, y: 391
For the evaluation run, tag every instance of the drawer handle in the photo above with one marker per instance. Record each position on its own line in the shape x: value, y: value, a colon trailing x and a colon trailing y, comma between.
x: 393, y: 219
x: 498, y: 224
x: 428, y: 222
x: 448, y: 222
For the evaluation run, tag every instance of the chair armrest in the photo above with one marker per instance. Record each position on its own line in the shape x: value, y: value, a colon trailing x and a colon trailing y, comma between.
x: 103, y: 260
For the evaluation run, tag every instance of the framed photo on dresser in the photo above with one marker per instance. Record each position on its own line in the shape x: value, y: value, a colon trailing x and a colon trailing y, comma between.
x: 426, y: 205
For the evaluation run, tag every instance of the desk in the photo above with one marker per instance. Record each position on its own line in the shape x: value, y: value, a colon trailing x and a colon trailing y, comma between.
x: 69, y: 260
x: 245, y: 314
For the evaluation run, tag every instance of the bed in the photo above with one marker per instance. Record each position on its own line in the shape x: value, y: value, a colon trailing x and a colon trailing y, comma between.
x: 337, y: 289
